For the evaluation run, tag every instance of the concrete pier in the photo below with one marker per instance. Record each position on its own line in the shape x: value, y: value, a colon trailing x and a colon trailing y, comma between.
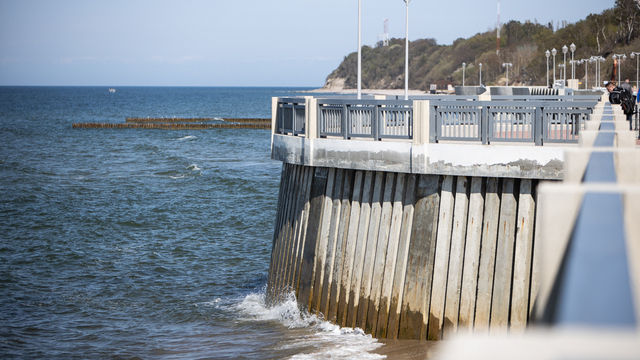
x: 422, y: 219
x: 413, y: 237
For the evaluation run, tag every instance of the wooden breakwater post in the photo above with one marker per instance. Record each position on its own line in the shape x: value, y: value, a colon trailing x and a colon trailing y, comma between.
x: 168, y: 126
x: 404, y: 236
x: 179, y: 120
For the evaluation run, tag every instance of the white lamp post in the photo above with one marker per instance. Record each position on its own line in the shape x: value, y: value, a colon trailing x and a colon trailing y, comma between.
x: 359, y: 49
x: 565, y: 49
x: 597, y: 60
x: 573, y: 72
x: 633, y: 54
x: 463, y: 66
x: 406, y: 56
x: 547, y: 54
x: 480, y: 81
x: 507, y: 65
x: 562, y: 72
x: 554, y: 52
x: 600, y: 60
x: 586, y: 71
x: 620, y: 57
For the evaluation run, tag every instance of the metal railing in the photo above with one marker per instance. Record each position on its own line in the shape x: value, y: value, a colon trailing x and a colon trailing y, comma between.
x: 376, y: 119
x: 291, y: 116
x: 498, y: 121
x: 537, y: 122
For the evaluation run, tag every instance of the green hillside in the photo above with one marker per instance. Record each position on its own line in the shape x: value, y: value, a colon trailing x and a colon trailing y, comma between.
x: 614, y: 31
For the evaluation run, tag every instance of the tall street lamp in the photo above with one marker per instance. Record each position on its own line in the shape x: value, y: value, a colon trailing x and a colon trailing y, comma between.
x: 359, y: 49
x: 633, y: 54
x: 573, y: 72
x: 547, y: 54
x: 463, y: 66
x: 507, y: 65
x: 480, y: 81
x: 564, y: 51
x: 554, y: 52
x: 620, y: 57
x: 406, y: 56
x: 586, y: 71
x: 598, y: 60
x: 572, y: 63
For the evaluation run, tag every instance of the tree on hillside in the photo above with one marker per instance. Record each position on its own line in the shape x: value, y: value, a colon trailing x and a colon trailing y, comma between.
x: 615, y: 30
x: 628, y: 16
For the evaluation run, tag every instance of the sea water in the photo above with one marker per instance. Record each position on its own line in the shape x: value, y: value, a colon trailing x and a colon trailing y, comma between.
x: 138, y: 243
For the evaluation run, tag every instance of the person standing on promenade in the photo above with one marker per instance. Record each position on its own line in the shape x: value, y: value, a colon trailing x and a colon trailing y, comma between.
x: 627, y: 86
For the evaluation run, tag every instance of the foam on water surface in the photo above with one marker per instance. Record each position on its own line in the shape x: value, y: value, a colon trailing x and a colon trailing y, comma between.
x: 321, y: 339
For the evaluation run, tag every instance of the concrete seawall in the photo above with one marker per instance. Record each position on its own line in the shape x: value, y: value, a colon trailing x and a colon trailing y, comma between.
x: 408, y: 256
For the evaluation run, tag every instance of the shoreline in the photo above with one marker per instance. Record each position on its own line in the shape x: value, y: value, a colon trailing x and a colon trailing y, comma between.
x: 341, y: 91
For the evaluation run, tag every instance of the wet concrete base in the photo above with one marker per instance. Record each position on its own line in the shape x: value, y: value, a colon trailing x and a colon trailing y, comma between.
x: 408, y: 349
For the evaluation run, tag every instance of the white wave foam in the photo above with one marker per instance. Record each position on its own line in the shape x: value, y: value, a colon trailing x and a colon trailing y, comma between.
x: 193, y: 167
x: 327, y: 341
x: 187, y: 137
x: 215, y: 303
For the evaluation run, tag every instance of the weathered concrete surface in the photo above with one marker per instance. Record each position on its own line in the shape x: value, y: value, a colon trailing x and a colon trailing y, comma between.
x: 515, y: 161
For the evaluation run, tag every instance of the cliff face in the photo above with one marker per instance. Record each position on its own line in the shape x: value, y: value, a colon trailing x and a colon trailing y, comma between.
x: 614, y: 31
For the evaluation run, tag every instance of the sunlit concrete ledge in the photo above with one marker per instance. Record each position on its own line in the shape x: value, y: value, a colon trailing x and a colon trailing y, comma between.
x: 515, y: 160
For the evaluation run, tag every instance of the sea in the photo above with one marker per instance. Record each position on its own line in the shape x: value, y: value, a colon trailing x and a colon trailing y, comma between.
x: 140, y: 243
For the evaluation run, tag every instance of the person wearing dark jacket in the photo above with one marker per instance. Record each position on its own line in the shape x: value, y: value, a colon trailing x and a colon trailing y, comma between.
x: 617, y: 96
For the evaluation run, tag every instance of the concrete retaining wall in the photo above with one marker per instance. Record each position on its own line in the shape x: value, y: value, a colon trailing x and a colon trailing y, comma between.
x: 409, y: 256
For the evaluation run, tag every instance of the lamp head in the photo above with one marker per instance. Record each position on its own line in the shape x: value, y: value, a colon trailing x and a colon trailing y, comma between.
x: 633, y: 55
x: 614, y: 57
x: 624, y: 57
x: 554, y: 51
x: 464, y: 64
x: 573, y: 47
x: 547, y: 54
x: 565, y: 49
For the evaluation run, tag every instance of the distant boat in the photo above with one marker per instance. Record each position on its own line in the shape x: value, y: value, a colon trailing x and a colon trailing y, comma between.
x: 112, y: 90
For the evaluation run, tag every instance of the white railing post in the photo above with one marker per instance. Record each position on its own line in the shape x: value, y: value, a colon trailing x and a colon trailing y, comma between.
x: 421, y: 128
x: 274, y: 114
x: 311, y: 117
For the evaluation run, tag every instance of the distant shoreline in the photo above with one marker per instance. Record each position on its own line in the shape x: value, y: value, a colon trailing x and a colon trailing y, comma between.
x: 364, y: 91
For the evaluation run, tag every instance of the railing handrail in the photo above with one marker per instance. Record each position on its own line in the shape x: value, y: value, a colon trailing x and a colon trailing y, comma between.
x: 376, y: 102
x: 563, y: 98
x: 519, y: 103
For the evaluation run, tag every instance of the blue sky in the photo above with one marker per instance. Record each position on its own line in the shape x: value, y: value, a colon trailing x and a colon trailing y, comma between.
x: 229, y: 43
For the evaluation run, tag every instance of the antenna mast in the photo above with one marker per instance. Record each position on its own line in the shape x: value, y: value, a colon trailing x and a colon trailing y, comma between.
x: 384, y: 37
